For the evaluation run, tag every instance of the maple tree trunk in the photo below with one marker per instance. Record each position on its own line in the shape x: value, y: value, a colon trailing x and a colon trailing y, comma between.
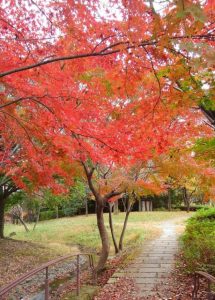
x: 124, y: 227
x: 86, y: 207
x: 2, y: 206
x: 124, y: 205
x: 116, y: 207
x: 37, y: 219
x: 188, y: 206
x: 111, y: 228
x: 169, y: 204
x: 140, y: 205
x: 103, y: 235
x: 23, y: 223
x: 186, y: 200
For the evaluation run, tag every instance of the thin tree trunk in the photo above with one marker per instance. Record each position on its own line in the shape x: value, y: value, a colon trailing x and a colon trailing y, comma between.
x: 186, y: 200
x: 116, y: 207
x: 111, y: 228
x: 188, y: 205
x: 124, y: 227
x: 37, y: 219
x: 124, y: 205
x: 103, y: 235
x: 169, y: 200
x: 57, y: 212
x: 86, y: 207
x: 140, y: 205
x: 2, y: 206
x: 23, y: 223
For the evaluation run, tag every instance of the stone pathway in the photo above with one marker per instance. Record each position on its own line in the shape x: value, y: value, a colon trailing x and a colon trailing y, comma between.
x: 155, y: 262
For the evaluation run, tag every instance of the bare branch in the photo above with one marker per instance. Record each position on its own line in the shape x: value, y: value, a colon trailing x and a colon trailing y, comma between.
x: 104, y: 52
x: 89, y: 174
x: 52, y: 60
x: 33, y: 98
x: 112, y: 194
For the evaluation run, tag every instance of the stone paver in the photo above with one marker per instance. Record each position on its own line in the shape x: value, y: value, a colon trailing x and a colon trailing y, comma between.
x: 155, y: 262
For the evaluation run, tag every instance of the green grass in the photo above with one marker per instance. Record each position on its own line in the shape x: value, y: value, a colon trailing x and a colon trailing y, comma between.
x: 70, y: 235
x: 65, y: 234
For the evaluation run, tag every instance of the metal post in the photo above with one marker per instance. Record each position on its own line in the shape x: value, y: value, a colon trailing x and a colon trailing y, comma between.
x: 194, y: 288
x: 78, y: 274
x: 47, y: 284
x: 209, y: 290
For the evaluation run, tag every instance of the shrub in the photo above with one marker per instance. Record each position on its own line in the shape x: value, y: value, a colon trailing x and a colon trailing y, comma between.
x: 51, y: 214
x: 61, y: 213
x: 192, y: 207
x: 47, y: 215
x: 199, y: 242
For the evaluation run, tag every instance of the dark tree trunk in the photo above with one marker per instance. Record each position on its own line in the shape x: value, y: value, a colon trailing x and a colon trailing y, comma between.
x: 103, y: 235
x: 124, y: 227
x: 116, y: 207
x: 186, y: 200
x: 123, y: 231
x: 139, y: 205
x: 124, y: 204
x: 169, y: 204
x: 2, y: 206
x: 100, y: 203
x: 86, y: 207
x: 23, y: 223
x: 111, y: 227
x: 145, y: 203
x: 188, y: 206
x: 37, y: 219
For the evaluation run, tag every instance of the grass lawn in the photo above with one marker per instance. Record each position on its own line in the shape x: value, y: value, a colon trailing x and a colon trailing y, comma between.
x: 69, y: 235
x: 65, y: 234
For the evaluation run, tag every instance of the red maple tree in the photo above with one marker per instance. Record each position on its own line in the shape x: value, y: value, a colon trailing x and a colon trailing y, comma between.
x: 85, y: 85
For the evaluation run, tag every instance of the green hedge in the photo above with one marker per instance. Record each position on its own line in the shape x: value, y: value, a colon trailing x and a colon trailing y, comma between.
x: 51, y: 214
x: 199, y: 241
x: 192, y: 207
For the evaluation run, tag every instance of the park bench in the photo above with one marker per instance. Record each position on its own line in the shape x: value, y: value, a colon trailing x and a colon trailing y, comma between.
x: 209, y: 279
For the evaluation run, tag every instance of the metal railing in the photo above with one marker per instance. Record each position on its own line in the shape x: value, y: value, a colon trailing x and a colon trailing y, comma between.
x: 6, y: 289
x: 209, y: 278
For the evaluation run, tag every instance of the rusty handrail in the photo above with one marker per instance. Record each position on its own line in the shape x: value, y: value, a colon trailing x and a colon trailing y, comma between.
x: 210, y: 279
x: 4, y: 290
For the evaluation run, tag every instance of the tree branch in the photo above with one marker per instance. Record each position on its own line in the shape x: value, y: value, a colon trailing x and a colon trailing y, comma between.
x: 112, y: 194
x: 209, y: 37
x: 89, y: 174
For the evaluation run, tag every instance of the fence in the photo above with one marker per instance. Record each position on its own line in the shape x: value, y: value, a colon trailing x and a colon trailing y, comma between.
x: 4, y: 290
x: 210, y: 280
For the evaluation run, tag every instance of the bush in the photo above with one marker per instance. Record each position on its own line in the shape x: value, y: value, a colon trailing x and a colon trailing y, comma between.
x: 47, y: 215
x: 192, y: 207
x: 51, y: 214
x: 199, y: 241
x: 61, y: 213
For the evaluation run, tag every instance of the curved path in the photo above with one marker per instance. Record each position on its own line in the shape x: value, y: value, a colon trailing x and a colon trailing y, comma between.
x: 155, y: 261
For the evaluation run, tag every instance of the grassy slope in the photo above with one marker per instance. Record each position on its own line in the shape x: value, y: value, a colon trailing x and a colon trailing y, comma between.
x: 62, y: 234
x: 59, y: 237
